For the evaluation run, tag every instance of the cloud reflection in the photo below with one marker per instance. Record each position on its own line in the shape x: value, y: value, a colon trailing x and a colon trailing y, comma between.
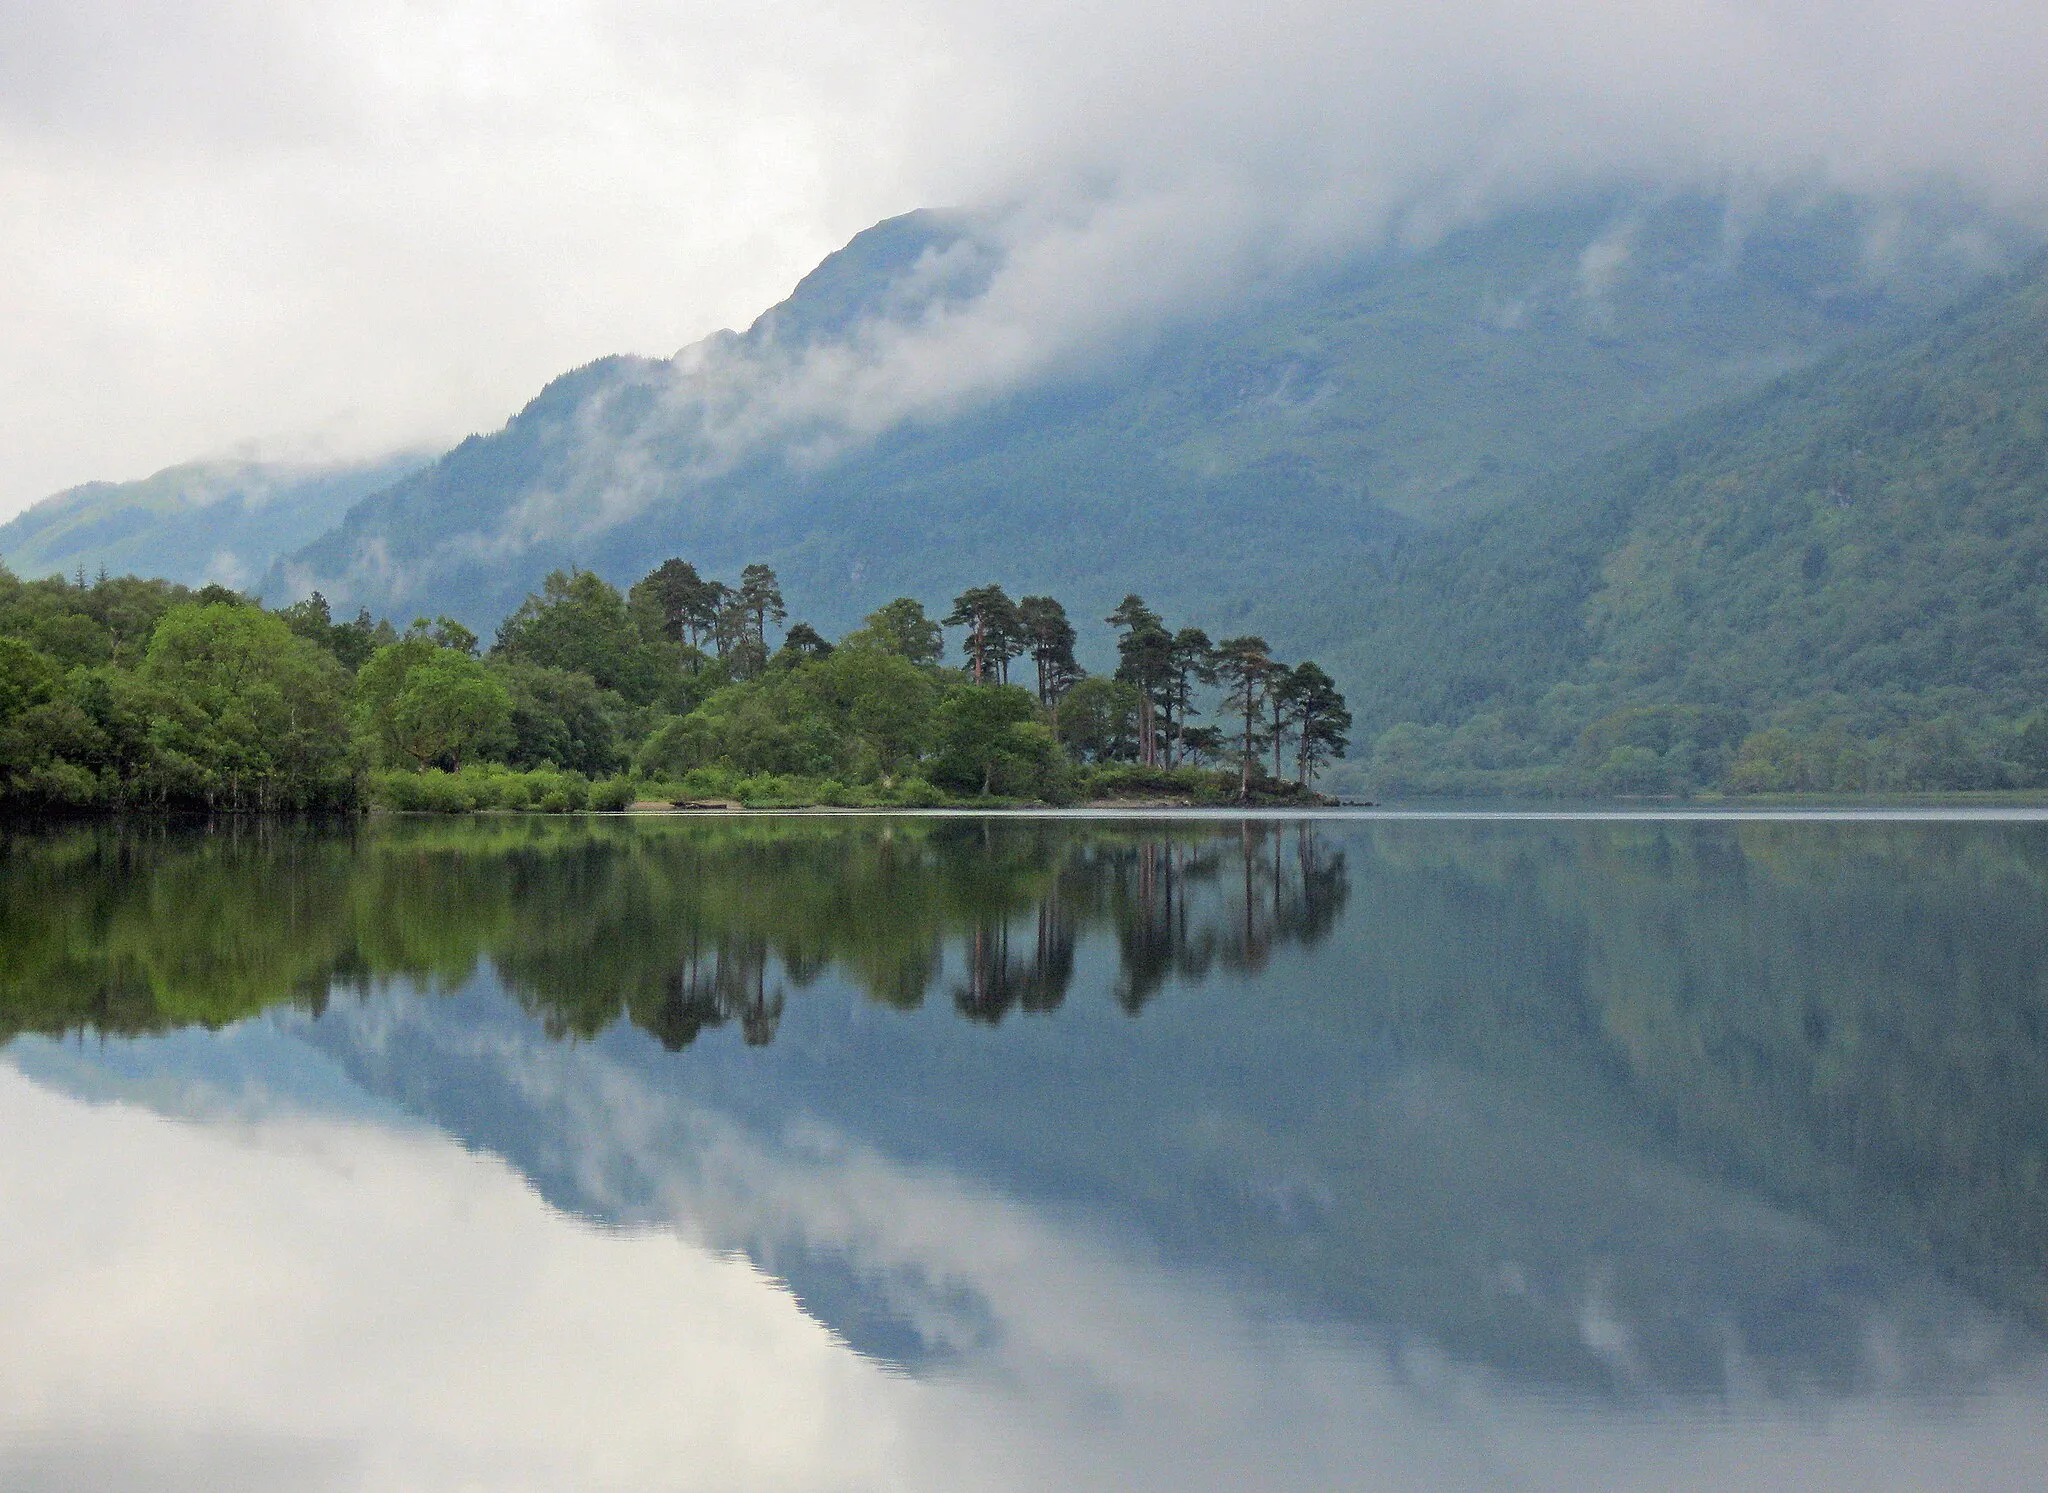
x: 287, y: 1299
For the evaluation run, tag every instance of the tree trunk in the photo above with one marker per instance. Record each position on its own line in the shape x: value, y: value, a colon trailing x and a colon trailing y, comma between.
x: 1244, y: 773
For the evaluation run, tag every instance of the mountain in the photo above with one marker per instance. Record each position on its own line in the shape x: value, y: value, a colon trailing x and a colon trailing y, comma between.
x: 1244, y: 471
x: 1857, y: 555
x: 223, y: 521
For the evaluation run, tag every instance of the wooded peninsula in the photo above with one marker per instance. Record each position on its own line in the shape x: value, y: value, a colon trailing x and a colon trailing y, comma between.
x: 123, y: 693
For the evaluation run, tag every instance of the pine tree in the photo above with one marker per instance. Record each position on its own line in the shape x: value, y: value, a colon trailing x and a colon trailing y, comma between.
x: 995, y: 630
x: 1145, y: 653
x: 1246, y: 668
x: 1192, y: 661
x: 1321, y: 719
x: 1049, y: 638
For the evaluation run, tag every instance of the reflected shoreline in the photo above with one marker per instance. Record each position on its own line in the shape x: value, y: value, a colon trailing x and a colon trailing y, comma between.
x: 1286, y: 1041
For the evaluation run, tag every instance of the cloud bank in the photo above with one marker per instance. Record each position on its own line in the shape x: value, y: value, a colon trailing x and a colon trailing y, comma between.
x: 346, y: 228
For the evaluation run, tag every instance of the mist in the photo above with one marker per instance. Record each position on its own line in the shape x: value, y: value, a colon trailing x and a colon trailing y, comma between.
x: 328, y: 230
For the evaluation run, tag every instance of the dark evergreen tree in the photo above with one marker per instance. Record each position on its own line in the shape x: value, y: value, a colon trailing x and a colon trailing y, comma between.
x: 673, y: 594
x: 1049, y: 638
x: 761, y: 597
x: 1320, y: 717
x: 994, y: 629
x: 1192, y: 661
x: 802, y: 644
x: 1145, y: 659
x: 1245, y: 666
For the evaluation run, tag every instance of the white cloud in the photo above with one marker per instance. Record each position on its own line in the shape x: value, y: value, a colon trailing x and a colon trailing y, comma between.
x: 274, y: 1299
x: 382, y: 222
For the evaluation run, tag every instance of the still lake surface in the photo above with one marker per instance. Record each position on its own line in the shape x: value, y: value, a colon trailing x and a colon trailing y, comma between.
x: 956, y: 1153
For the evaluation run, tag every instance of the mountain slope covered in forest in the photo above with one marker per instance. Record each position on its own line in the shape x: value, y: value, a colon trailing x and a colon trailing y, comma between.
x: 1240, y: 470
x: 202, y: 521
x: 1848, y: 572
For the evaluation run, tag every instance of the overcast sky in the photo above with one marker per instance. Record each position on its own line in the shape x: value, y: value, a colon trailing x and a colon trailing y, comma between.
x: 341, y: 227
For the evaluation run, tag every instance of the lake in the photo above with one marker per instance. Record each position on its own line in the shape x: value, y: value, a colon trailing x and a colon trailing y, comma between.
x: 1068, y: 1152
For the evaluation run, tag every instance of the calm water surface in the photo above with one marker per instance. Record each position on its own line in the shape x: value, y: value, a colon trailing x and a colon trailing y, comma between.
x: 954, y: 1154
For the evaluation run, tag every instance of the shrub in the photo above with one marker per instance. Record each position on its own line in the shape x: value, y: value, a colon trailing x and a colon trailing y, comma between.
x: 431, y: 792
x: 916, y: 793
x: 612, y: 795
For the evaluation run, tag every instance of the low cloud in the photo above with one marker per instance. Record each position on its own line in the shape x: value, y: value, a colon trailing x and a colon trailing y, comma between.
x: 382, y: 223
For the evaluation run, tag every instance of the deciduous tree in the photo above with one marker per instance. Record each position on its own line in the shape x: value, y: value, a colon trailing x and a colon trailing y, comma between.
x: 900, y: 628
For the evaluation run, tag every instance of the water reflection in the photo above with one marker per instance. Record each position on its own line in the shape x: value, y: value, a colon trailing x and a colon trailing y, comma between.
x: 678, y: 927
x: 1333, y: 1153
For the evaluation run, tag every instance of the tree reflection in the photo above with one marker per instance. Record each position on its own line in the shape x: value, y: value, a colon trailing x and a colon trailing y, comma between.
x: 709, y: 987
x: 676, y: 926
x: 1852, y: 1019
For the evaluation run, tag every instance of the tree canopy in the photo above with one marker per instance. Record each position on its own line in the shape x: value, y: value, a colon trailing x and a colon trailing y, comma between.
x: 127, y: 693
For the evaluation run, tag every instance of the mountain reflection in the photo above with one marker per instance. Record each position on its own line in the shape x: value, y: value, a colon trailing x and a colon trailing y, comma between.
x: 678, y: 927
x: 1425, y: 1076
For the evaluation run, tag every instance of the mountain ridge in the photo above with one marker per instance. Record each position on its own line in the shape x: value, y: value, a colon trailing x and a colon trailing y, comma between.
x: 255, y: 511
x: 1327, y: 421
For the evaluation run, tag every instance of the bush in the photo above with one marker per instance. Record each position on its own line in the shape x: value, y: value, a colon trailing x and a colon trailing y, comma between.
x: 62, y: 785
x: 613, y: 795
x: 708, y: 782
x: 430, y: 792
x: 916, y: 793
x: 514, y: 790
x: 1120, y: 779
x: 488, y: 787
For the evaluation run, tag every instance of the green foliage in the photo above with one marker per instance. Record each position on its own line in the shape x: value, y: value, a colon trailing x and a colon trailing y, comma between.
x: 493, y: 786
x: 27, y: 679
x: 564, y: 718
x: 612, y: 795
x: 581, y: 623
x: 988, y: 739
x: 451, y: 707
x: 380, y: 682
x: 673, y: 602
x: 351, y: 643
x: 236, y: 707
x: 1847, y: 568
x: 995, y: 631
x: 900, y: 628
x: 857, y: 714
x: 1314, y: 709
x: 1099, y: 720
x: 247, y: 714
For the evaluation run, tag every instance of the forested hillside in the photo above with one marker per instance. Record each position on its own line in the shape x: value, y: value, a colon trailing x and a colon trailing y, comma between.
x: 1612, y: 497
x: 224, y: 521
x: 1264, y: 458
x: 1839, y: 583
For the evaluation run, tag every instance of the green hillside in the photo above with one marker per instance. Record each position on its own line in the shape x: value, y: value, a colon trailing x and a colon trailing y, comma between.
x: 223, y: 521
x: 1838, y: 583
x: 1242, y: 473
